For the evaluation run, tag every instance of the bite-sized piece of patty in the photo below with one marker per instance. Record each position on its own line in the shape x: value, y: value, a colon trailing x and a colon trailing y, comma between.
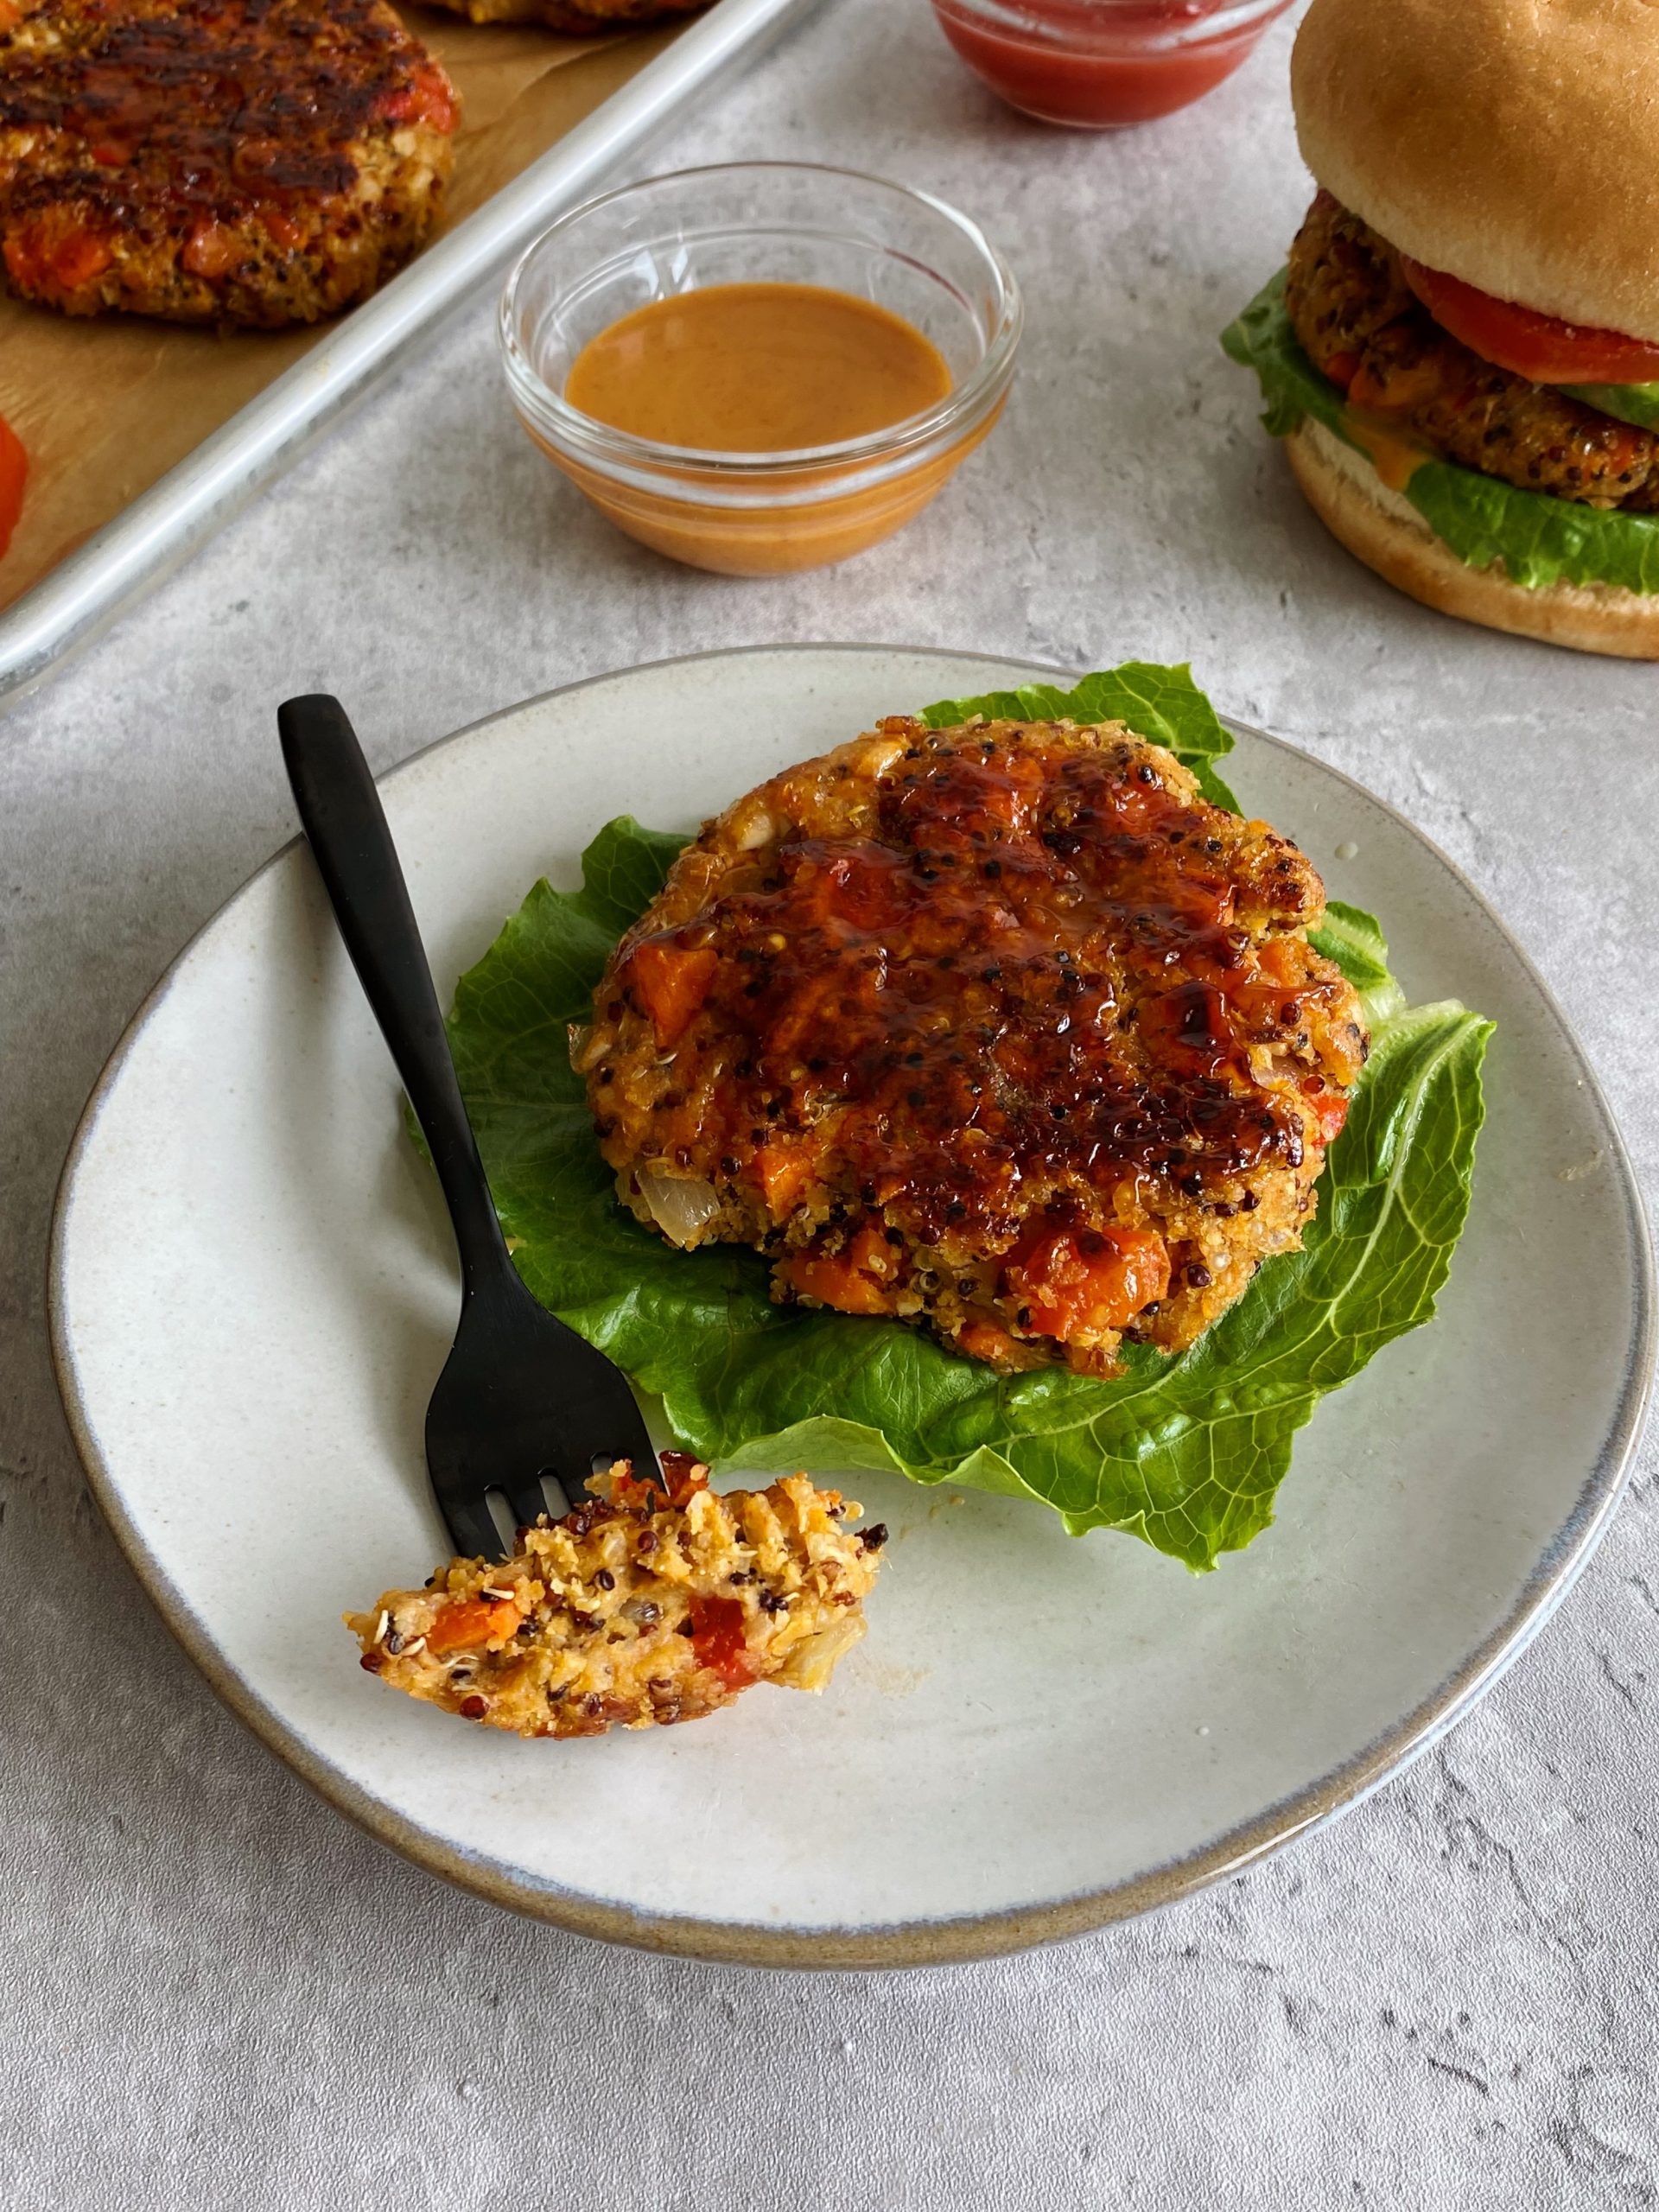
x: 582, y: 17
x: 1363, y: 327
x: 259, y: 162
x: 1002, y: 1029
x: 632, y: 1612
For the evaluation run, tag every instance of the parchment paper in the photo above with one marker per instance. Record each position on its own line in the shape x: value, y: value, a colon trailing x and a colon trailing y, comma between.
x: 106, y: 404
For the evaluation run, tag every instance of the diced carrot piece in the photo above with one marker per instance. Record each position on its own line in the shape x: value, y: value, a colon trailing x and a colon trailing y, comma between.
x: 984, y: 1340
x: 718, y: 1640
x: 784, y: 1168
x: 671, y: 984
x: 1080, y: 1281
x: 854, y: 1281
x: 471, y: 1622
x: 80, y: 259
x: 36, y: 260
x: 428, y: 98
x: 211, y: 250
x: 1278, y: 958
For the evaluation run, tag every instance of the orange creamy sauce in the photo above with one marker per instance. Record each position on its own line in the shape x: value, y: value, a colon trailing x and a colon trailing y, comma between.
x: 757, y: 368
x: 1397, y: 458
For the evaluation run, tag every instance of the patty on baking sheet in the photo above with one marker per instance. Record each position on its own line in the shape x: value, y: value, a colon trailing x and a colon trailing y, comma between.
x: 1002, y: 1029
x: 635, y: 1610
x: 259, y: 162
x: 580, y: 16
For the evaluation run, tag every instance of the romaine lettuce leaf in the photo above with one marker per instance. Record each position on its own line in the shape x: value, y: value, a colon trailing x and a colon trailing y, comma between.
x: 1540, y: 540
x: 1264, y: 339
x: 1186, y: 1453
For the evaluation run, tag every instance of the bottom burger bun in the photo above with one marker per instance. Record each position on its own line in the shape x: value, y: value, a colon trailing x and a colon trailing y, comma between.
x: 1384, y: 530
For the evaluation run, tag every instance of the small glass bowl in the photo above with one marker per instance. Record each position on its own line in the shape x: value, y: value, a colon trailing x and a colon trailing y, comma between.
x: 1102, y: 65
x: 759, y: 222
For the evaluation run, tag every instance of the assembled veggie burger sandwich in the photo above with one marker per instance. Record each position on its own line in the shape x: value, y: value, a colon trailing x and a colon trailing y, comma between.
x: 1463, y: 354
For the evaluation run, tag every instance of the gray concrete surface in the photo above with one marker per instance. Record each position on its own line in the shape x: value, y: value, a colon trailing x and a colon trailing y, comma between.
x: 217, y: 1994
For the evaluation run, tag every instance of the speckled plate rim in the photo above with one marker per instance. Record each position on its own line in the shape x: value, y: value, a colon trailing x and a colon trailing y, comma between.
x: 960, y: 1939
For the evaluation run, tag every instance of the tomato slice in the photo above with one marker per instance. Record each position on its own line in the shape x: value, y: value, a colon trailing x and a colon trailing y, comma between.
x: 14, y: 467
x: 1540, y: 347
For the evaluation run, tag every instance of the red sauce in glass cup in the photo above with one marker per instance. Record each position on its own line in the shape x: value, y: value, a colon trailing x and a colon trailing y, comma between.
x: 13, y: 466
x: 1099, y: 64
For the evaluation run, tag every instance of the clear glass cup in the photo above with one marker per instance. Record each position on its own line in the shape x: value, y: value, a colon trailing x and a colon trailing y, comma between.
x: 1102, y: 65
x: 761, y: 222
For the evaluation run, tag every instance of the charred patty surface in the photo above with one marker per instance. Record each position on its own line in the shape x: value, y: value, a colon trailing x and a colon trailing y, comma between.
x: 1001, y: 1029
x: 580, y: 16
x: 260, y: 161
x: 1363, y: 327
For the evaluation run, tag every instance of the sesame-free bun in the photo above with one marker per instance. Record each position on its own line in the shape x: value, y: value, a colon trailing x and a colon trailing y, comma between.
x: 1514, y: 144
x: 1388, y: 534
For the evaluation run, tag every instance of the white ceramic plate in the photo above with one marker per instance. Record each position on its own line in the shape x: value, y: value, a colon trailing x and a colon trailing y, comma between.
x: 254, y: 1291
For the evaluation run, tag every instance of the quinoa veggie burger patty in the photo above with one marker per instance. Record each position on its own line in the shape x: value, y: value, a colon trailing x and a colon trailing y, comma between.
x: 635, y: 1611
x: 581, y: 16
x: 259, y: 162
x: 1002, y: 1030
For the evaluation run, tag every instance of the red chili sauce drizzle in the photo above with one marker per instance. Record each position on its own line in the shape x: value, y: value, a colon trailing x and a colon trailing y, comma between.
x: 1034, y: 972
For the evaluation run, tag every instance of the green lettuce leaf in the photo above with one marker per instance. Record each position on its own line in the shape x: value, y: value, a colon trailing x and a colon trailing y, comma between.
x: 1186, y: 1452
x: 1263, y: 338
x: 1354, y: 940
x: 1162, y: 704
x: 1540, y: 540
x: 1626, y: 402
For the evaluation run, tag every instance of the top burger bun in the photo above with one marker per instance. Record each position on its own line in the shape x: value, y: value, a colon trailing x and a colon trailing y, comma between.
x: 1514, y: 144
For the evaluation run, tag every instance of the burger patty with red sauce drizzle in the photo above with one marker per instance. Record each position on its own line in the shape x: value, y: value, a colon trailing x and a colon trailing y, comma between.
x: 255, y: 161
x: 584, y: 17
x: 1363, y: 327
x: 1002, y: 1030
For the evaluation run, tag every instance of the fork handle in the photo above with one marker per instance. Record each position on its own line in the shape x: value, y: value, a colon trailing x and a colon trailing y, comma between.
x: 346, y: 827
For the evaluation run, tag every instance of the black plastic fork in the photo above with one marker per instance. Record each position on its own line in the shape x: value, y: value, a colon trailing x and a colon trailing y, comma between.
x: 521, y: 1397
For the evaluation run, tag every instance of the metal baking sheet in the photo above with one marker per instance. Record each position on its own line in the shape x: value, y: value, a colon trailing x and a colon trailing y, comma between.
x: 164, y: 525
